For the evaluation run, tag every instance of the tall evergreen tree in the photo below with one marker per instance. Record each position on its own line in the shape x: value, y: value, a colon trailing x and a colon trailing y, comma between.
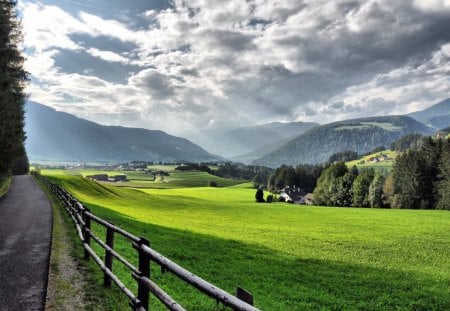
x: 409, y: 180
x: 12, y: 83
x: 443, y: 186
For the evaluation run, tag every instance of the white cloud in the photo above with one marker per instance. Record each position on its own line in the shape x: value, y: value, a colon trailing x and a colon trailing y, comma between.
x: 432, y: 5
x: 108, y: 56
x: 207, y: 63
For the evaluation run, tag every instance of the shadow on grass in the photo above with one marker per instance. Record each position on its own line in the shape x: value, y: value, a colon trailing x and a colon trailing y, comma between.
x: 277, y: 281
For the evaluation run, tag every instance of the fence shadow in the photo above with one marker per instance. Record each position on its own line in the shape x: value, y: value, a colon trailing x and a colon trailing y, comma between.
x: 280, y: 281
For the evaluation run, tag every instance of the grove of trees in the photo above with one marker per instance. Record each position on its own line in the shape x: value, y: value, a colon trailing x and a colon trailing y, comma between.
x: 12, y: 96
x: 420, y: 179
x: 304, y: 176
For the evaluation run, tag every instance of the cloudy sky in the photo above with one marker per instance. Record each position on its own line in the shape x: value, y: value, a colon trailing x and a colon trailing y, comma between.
x: 183, y: 66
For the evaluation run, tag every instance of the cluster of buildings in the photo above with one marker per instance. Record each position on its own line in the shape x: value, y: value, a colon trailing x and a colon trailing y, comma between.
x: 380, y: 158
x: 105, y: 177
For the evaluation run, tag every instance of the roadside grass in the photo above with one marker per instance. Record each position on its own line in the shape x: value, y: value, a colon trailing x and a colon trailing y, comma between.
x: 5, y: 182
x: 290, y: 257
x: 73, y: 282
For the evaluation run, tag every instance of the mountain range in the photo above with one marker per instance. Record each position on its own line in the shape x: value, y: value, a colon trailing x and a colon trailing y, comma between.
x: 437, y: 116
x: 360, y: 135
x: 240, y: 141
x: 59, y: 136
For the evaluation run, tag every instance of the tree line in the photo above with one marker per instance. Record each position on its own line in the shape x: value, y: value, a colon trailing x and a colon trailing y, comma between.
x: 420, y: 179
x: 13, y: 78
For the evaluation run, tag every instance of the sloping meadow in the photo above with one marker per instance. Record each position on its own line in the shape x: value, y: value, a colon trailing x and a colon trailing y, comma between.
x: 289, y: 257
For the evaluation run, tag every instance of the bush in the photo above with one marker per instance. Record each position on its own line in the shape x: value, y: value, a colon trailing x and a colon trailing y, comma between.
x: 212, y: 183
x: 259, y: 196
x: 269, y: 198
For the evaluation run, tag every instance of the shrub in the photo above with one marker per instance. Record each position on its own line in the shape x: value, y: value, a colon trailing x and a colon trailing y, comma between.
x: 259, y: 196
x: 212, y: 183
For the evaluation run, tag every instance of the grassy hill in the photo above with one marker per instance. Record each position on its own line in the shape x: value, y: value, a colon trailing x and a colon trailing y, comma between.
x: 60, y: 136
x: 360, y: 135
x: 375, y: 160
x: 176, y: 179
x: 290, y: 257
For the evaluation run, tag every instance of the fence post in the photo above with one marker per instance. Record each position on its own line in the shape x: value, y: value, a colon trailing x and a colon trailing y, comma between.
x: 108, y: 256
x: 144, y: 269
x: 86, y: 228
x: 244, y: 295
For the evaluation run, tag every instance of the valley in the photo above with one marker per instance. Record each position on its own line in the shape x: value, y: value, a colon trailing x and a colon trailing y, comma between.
x: 288, y: 256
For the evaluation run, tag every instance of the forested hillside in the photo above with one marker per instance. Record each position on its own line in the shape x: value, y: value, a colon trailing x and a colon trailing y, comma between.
x: 359, y: 135
x: 61, y: 136
x: 250, y: 139
x: 420, y: 179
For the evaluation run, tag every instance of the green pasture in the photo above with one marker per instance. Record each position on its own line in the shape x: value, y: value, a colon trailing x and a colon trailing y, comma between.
x: 383, y: 165
x: 176, y: 179
x: 290, y: 257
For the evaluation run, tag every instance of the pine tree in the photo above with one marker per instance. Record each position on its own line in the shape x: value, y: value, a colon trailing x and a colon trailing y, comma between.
x: 409, y: 180
x: 12, y: 82
x: 443, y: 186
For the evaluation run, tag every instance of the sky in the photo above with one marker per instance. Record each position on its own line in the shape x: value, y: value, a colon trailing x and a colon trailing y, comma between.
x: 191, y: 66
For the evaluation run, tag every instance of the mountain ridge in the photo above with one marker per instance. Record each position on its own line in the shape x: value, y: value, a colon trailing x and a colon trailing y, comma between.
x: 436, y: 116
x: 60, y: 136
x: 240, y: 141
x: 360, y: 135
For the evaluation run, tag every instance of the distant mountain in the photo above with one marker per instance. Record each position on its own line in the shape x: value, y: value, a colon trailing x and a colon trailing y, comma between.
x: 59, y: 136
x: 240, y: 141
x: 360, y: 135
x: 437, y: 116
x: 251, y: 156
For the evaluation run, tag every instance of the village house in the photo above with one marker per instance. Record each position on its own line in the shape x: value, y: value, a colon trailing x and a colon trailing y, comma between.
x: 117, y: 178
x: 98, y: 177
x: 293, y: 194
x: 309, y: 197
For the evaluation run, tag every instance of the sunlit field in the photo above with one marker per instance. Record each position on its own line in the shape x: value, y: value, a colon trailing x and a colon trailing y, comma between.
x: 290, y: 257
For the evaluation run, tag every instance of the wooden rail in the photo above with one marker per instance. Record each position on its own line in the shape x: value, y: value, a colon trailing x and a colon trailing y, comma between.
x: 82, y: 218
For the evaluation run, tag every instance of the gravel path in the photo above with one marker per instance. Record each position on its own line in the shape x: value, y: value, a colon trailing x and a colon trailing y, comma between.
x: 25, y: 238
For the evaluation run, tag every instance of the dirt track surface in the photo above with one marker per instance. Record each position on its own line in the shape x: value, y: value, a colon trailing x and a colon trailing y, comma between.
x: 25, y: 238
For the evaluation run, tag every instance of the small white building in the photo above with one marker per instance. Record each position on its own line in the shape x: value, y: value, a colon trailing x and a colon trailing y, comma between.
x: 293, y: 194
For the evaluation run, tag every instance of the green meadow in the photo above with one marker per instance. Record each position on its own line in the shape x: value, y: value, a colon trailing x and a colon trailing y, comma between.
x: 176, y: 179
x: 289, y: 257
x: 377, y: 166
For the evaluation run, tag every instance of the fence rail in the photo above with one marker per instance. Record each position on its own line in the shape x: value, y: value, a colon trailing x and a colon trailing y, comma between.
x: 82, y: 217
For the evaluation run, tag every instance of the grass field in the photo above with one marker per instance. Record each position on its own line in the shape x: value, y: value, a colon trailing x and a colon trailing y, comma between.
x: 176, y: 179
x: 290, y: 257
x: 380, y: 166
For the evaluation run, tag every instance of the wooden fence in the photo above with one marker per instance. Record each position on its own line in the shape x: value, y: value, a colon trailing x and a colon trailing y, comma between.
x: 82, y: 218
